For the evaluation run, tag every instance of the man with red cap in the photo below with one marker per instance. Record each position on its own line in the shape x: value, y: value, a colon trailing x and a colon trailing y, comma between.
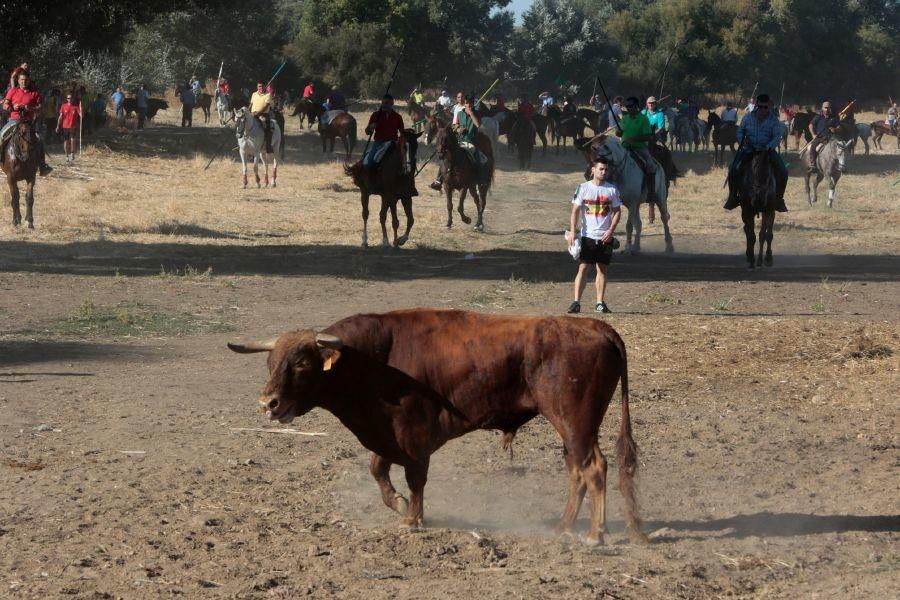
x: 25, y: 102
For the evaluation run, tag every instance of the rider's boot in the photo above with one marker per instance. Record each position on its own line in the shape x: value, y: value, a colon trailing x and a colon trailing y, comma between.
x: 437, y: 185
x: 269, y: 148
x: 731, y: 199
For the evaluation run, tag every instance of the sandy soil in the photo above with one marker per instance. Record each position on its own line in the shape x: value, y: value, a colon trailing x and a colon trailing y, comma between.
x: 765, y: 403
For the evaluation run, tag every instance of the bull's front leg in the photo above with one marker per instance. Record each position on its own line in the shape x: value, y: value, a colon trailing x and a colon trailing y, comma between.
x: 380, y: 468
x: 416, y: 477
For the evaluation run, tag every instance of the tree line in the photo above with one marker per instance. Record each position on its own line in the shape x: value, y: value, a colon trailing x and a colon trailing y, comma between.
x: 818, y: 49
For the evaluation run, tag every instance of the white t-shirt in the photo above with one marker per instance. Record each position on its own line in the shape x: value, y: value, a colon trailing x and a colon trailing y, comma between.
x: 456, y: 110
x: 445, y: 101
x: 597, y: 204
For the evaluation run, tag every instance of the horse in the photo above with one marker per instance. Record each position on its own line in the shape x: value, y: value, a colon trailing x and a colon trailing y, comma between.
x: 522, y: 137
x: 223, y: 107
x: 628, y: 176
x: 756, y: 190
x: 879, y: 129
x: 20, y: 163
x: 433, y: 123
x: 394, y: 180
x: 417, y: 114
x: 800, y: 126
x: 566, y: 126
x: 541, y: 124
x: 702, y: 133
x: 252, y: 144
x: 598, y: 121
x: 461, y: 173
x: 308, y: 108
x: 204, y: 103
x: 685, y: 135
x: 830, y: 162
x: 724, y: 133
x: 863, y: 132
x: 340, y: 125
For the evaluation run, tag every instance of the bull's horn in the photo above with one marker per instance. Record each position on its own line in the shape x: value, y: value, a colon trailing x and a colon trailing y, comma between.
x: 326, y: 340
x: 253, y: 347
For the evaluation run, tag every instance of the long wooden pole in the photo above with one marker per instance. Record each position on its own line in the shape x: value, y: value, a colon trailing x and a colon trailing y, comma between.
x: 80, y: 125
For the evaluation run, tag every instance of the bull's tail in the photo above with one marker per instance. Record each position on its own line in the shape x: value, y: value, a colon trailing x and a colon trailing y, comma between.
x: 627, y: 454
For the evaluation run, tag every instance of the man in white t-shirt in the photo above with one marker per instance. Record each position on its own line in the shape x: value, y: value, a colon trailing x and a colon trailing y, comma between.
x: 729, y: 114
x: 458, y: 107
x: 599, y: 205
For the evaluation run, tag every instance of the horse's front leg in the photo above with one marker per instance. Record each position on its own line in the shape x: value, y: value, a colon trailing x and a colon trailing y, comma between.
x: 14, y: 201
x: 364, y: 200
x: 29, y: 204
x: 244, y: 170
x: 265, y: 162
x: 395, y: 222
x: 256, y: 168
x: 770, y: 233
x: 460, y: 209
x: 748, y: 216
x: 479, y: 193
x: 832, y: 183
x: 408, y: 209
x: 382, y: 217
x: 448, y: 193
x: 636, y: 221
x: 809, y: 199
x: 275, y: 167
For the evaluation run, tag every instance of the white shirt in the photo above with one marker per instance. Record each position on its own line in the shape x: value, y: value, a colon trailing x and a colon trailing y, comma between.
x: 445, y: 101
x: 750, y: 107
x: 456, y: 110
x: 597, y: 203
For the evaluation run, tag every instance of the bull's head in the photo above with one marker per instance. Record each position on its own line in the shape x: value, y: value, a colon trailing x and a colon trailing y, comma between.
x: 299, y: 363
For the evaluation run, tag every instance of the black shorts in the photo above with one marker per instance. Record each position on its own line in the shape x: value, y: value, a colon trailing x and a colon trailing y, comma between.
x: 68, y: 133
x: 594, y: 251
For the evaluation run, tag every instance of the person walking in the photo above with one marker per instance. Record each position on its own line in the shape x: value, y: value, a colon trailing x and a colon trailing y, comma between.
x: 118, y: 101
x: 67, y: 126
x: 187, y: 106
x: 142, y: 99
x: 598, y: 204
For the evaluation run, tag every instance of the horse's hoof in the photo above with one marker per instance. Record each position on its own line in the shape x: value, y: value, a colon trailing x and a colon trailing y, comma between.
x: 385, y: 244
x: 244, y: 187
x: 449, y: 225
x: 769, y: 262
x: 402, y: 240
x: 670, y: 248
x: 479, y: 228
x: 466, y: 219
x: 274, y: 185
x: 29, y: 224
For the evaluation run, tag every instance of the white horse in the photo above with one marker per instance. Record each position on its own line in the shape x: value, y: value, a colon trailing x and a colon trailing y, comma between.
x: 491, y: 128
x: 223, y: 107
x: 252, y: 144
x: 628, y: 176
x: 830, y: 162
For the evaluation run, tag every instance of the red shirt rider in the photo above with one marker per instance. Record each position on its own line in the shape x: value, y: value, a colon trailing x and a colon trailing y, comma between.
x: 309, y: 92
x: 526, y: 109
x: 388, y: 125
x: 29, y: 99
x: 224, y: 88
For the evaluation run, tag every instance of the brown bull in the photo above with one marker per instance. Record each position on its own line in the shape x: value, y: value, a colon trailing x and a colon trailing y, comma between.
x: 407, y: 382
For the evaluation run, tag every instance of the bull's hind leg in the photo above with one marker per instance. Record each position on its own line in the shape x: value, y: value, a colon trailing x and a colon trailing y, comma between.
x: 380, y: 468
x: 416, y: 477
x: 594, y: 474
x: 577, y: 489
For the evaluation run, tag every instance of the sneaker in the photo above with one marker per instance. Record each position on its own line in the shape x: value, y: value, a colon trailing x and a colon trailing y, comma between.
x: 602, y: 307
x: 436, y: 185
x: 574, y: 308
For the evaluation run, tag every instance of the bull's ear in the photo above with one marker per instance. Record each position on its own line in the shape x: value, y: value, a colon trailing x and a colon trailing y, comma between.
x: 330, y: 358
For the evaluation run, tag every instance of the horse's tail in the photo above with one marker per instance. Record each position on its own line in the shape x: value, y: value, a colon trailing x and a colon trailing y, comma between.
x: 352, y: 138
x: 626, y: 448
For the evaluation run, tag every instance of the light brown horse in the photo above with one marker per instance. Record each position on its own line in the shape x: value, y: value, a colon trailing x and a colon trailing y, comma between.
x: 20, y: 162
x: 461, y: 173
x: 393, y: 179
x: 343, y: 126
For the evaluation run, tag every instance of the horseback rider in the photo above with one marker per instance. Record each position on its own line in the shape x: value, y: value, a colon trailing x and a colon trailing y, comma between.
x: 466, y: 128
x: 759, y: 130
x: 14, y: 76
x: 335, y: 101
x: 224, y: 88
x: 891, y: 120
x: 261, y: 105
x: 25, y: 102
x: 444, y: 102
x: 657, y: 119
x: 386, y: 124
x: 459, y: 106
x: 822, y: 127
x: 729, y: 113
x: 309, y: 92
x: 546, y: 102
x: 196, y: 88
x: 418, y: 97
x: 636, y: 132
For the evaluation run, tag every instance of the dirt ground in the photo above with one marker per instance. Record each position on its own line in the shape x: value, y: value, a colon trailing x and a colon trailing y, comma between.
x: 765, y: 403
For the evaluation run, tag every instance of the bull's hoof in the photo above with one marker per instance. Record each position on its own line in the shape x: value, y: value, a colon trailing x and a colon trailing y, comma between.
x: 465, y: 219
x: 414, y: 524
x: 566, y: 537
x: 592, y: 541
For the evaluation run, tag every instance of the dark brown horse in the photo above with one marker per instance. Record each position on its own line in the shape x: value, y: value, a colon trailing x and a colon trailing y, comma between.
x: 800, y: 126
x: 20, y: 163
x: 879, y: 130
x: 521, y: 135
x: 756, y: 190
x: 417, y: 115
x: 434, y: 123
x: 724, y: 133
x: 343, y: 126
x: 461, y: 173
x: 393, y: 180
x: 309, y: 109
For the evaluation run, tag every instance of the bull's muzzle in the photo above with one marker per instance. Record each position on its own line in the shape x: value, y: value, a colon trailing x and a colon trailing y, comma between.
x: 268, y: 403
